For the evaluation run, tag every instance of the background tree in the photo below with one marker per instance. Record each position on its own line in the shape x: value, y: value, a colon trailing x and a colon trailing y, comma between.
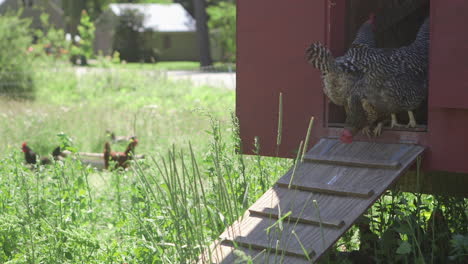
x: 72, y: 12
x: 202, y: 32
x: 128, y: 40
x: 16, y: 75
x: 223, y: 21
x: 83, y: 49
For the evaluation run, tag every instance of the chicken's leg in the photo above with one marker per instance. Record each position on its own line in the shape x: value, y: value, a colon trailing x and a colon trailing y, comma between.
x: 395, y: 122
x: 378, y: 129
x: 412, y: 120
x: 366, y: 131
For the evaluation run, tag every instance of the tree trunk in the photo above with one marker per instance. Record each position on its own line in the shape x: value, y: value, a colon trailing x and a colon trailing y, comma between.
x: 72, y: 10
x: 202, y: 33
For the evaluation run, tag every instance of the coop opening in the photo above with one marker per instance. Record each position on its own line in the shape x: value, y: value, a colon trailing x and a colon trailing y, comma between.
x: 397, y: 24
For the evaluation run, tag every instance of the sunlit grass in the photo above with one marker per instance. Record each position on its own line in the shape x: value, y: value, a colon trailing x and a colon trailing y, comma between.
x: 170, y: 206
x: 160, y: 112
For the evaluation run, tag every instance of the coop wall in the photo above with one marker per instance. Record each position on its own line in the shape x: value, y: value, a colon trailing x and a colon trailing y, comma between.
x: 272, y: 36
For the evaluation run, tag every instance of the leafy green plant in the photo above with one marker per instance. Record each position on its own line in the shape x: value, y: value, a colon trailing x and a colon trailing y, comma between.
x: 222, y: 24
x: 128, y: 39
x: 16, y: 75
x: 193, y: 183
x: 459, y: 248
x: 84, y: 47
x: 50, y: 41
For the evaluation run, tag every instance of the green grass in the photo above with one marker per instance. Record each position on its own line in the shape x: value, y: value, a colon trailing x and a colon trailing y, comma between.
x: 192, y: 184
x: 163, y: 65
x: 192, y: 176
x: 128, y: 102
x: 168, y: 66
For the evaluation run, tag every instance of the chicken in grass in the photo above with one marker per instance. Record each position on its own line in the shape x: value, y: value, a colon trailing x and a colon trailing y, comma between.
x: 394, y: 81
x: 31, y: 157
x: 340, y: 74
x: 121, y: 159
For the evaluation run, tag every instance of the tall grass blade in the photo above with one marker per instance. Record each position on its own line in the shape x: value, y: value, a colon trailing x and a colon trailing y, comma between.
x: 280, y: 124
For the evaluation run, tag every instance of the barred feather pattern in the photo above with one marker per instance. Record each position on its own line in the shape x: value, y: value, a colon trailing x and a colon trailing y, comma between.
x: 365, y: 35
x: 337, y: 75
x: 340, y: 74
x: 395, y: 80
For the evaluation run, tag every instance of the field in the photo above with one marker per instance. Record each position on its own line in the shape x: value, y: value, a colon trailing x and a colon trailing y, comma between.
x: 68, y: 213
x: 191, y: 185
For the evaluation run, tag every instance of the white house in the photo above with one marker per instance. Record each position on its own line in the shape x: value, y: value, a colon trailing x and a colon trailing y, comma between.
x: 168, y: 28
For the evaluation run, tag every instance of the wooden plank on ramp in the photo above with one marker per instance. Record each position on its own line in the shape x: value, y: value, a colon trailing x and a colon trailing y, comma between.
x: 311, y: 206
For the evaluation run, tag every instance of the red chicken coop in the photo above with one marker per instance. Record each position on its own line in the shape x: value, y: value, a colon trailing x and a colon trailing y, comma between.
x: 342, y: 180
x: 271, y: 40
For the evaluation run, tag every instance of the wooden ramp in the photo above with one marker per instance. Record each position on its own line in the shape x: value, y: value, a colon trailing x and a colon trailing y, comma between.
x: 316, y: 202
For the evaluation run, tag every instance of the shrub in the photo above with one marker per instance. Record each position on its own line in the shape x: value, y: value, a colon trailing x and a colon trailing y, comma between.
x: 50, y: 41
x: 84, y: 47
x: 223, y: 20
x: 128, y: 37
x: 15, y: 62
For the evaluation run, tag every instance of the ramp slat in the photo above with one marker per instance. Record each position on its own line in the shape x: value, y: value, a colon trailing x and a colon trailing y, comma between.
x: 331, y: 189
x: 226, y: 252
x: 266, y: 233
x: 301, y: 204
x: 270, y: 212
x: 345, y: 161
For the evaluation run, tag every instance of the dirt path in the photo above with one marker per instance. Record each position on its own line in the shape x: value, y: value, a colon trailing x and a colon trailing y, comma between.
x: 217, y: 79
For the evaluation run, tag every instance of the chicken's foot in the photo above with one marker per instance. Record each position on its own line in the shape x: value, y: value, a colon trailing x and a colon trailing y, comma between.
x: 394, y: 122
x: 366, y: 131
x: 412, y: 120
x: 378, y: 129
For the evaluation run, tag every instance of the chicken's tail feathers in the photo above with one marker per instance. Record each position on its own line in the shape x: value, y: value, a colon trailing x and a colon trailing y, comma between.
x: 319, y: 56
x: 131, y: 146
x: 365, y: 35
x: 56, y: 152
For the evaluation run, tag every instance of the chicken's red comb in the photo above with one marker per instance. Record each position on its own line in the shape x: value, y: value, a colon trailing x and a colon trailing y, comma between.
x: 24, y: 144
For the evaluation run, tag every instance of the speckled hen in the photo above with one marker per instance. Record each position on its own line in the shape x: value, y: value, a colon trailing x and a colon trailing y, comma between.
x: 395, y: 80
x: 340, y: 74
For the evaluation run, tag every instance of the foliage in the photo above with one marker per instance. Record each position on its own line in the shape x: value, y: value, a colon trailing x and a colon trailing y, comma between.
x: 165, y: 209
x: 222, y: 23
x: 149, y: 1
x: 50, y: 41
x: 412, y: 228
x: 192, y: 184
x: 123, y: 99
x: 128, y: 38
x: 16, y: 76
x: 460, y: 248
x: 154, y: 213
x: 84, y: 47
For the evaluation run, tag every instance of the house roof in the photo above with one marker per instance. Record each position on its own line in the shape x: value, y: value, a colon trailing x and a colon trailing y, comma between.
x: 160, y: 17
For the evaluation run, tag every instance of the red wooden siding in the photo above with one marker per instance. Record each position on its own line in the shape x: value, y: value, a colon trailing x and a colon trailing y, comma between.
x: 271, y: 39
x: 272, y: 36
x: 449, y: 44
x: 448, y: 87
